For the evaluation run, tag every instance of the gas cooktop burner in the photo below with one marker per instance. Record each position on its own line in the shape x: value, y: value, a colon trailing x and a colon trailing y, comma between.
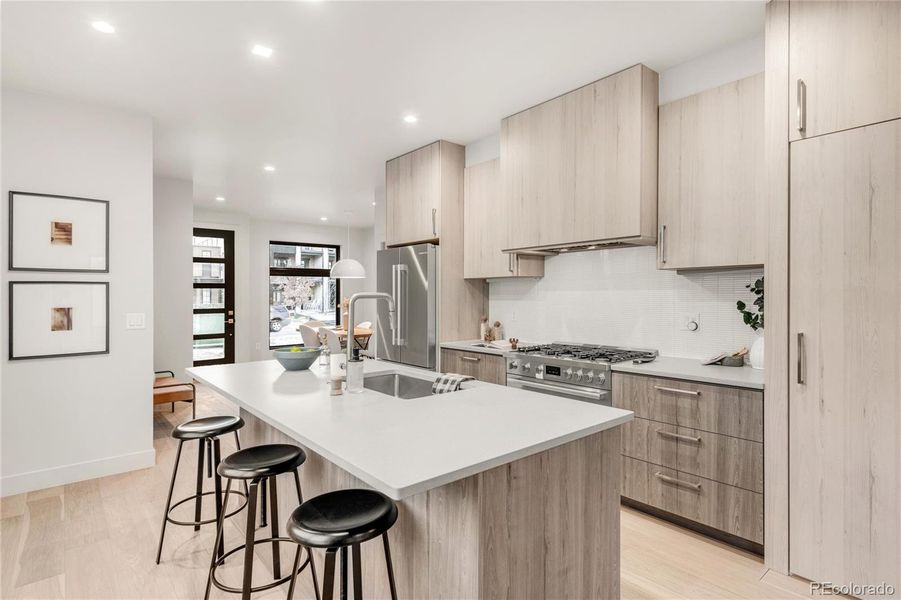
x: 609, y: 354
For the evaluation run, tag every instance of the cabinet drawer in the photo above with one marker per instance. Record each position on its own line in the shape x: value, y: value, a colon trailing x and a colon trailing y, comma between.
x: 730, y: 509
x: 725, y: 459
x: 729, y: 411
x: 484, y: 367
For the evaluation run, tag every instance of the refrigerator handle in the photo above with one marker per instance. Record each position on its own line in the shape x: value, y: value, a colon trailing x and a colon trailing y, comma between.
x: 396, y: 312
x: 400, y: 301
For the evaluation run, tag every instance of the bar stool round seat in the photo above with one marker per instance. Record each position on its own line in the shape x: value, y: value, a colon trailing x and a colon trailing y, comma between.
x: 342, y: 518
x: 207, y: 427
x: 262, y: 461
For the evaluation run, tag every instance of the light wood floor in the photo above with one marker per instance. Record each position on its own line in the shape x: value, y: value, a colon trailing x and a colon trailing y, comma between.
x: 97, y: 539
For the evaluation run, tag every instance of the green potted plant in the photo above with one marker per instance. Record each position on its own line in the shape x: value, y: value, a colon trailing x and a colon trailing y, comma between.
x: 753, y: 318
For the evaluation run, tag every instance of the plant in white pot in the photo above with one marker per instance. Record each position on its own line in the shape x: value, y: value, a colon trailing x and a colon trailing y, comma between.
x: 755, y: 321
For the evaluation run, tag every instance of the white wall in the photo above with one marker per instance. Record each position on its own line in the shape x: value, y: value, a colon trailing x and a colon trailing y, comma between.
x: 173, y: 217
x: 252, y: 239
x: 68, y: 419
x: 619, y: 296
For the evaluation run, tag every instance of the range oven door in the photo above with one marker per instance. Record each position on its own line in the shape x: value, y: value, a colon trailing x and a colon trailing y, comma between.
x: 575, y: 392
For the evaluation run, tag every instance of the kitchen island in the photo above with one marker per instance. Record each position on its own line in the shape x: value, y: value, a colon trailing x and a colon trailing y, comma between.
x: 502, y: 493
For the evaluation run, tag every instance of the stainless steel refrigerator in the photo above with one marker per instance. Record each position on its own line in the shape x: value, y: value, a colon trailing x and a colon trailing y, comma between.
x: 410, y: 275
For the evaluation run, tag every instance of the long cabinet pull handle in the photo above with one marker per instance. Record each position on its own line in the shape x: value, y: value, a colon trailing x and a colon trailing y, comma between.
x: 434, y: 221
x: 678, y: 436
x: 470, y: 358
x: 661, y: 388
x: 510, y: 262
x: 661, y: 242
x: 802, y: 105
x: 679, y: 482
x: 800, y: 358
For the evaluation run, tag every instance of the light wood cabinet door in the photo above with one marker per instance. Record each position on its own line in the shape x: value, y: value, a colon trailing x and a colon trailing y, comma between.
x: 413, y: 196
x: 845, y: 358
x: 490, y: 368
x: 486, y: 228
x: 712, y: 206
x: 847, y: 54
x: 582, y: 167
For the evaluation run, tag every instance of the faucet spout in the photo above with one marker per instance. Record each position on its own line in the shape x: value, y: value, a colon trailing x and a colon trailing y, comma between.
x: 392, y: 317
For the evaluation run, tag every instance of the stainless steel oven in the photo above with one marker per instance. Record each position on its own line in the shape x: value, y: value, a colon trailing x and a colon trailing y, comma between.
x: 564, y: 390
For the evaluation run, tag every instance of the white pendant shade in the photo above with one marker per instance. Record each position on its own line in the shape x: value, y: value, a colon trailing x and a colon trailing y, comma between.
x: 348, y: 268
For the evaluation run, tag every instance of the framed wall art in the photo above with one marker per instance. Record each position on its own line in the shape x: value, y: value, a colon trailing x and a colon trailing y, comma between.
x: 58, y: 318
x: 58, y: 233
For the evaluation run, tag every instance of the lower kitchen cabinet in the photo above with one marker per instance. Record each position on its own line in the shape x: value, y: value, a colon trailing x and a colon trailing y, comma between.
x: 694, y: 451
x: 490, y: 368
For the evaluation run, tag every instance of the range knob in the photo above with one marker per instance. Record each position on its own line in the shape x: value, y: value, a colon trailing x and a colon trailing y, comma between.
x: 601, y: 378
x: 579, y: 375
x: 590, y: 376
x: 568, y: 373
x: 527, y: 367
x: 514, y: 364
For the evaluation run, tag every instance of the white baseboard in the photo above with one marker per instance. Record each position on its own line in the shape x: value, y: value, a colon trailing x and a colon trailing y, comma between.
x: 11, y: 485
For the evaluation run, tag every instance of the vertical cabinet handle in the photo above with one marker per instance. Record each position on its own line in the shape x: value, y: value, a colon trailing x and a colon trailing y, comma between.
x: 801, y: 109
x: 510, y: 262
x: 434, y: 221
x: 661, y: 243
x: 801, y: 357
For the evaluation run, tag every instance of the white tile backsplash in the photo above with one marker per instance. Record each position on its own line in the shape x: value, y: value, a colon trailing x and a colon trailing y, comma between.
x: 618, y: 297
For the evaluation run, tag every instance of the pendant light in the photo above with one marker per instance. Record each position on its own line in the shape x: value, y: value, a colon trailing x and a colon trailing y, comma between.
x: 347, y: 268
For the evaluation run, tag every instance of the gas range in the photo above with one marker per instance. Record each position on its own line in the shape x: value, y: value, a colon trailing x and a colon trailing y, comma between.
x: 580, y: 371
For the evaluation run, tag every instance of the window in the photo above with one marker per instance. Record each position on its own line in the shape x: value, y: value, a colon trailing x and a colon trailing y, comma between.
x: 300, y: 289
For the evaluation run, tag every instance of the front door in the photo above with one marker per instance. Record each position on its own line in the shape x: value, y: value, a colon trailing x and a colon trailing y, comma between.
x: 214, y: 297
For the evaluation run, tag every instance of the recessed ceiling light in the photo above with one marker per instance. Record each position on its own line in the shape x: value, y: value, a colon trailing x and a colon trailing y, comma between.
x: 220, y: 198
x: 373, y: 203
x: 103, y: 27
x: 410, y: 118
x: 323, y: 218
x: 263, y: 51
x: 564, y: 249
x: 269, y: 168
x: 591, y: 247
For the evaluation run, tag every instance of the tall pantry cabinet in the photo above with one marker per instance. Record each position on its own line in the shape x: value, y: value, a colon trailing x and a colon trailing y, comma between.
x: 835, y: 257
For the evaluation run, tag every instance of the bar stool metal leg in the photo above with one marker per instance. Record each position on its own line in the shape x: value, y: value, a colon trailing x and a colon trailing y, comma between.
x: 390, y: 566
x: 159, y: 550
x: 248, y: 541
x: 263, y: 494
x: 273, y: 499
x: 238, y: 446
x: 357, y: 572
x: 198, y: 504
x: 217, y: 457
x: 328, y: 578
x: 344, y: 573
x: 209, y: 580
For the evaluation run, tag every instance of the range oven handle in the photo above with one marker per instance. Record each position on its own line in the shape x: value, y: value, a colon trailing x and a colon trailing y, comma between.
x: 596, y: 396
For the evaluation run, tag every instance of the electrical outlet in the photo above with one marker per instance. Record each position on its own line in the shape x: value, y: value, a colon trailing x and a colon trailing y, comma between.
x: 691, y: 322
x: 135, y: 321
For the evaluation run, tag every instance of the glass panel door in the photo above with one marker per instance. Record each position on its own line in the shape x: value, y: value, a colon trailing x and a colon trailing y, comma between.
x: 214, y: 298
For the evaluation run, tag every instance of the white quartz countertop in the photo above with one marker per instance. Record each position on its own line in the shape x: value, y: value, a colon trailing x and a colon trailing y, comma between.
x: 405, y: 447
x: 467, y: 346
x: 691, y: 369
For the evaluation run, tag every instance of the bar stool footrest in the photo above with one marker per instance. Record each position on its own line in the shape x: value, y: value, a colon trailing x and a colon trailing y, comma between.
x: 205, y: 521
x: 259, y: 588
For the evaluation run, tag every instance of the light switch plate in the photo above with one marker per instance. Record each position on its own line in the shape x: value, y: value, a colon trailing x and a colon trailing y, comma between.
x: 135, y: 321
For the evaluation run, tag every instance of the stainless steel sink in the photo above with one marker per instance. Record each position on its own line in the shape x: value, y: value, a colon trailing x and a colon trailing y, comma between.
x: 398, y: 385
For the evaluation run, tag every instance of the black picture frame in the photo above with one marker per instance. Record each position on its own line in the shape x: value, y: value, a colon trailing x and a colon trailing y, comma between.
x: 12, y: 265
x: 11, y: 322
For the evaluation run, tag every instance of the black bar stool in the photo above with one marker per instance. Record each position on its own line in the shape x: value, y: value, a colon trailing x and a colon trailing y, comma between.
x: 206, y: 431
x: 336, y: 520
x: 259, y: 465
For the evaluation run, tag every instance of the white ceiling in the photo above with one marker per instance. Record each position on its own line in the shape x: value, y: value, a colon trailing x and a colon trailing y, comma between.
x: 326, y: 109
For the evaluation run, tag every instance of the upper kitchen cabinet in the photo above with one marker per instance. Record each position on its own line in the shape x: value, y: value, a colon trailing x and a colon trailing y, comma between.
x: 416, y: 186
x: 485, y: 231
x: 712, y: 209
x: 844, y: 64
x: 581, y: 169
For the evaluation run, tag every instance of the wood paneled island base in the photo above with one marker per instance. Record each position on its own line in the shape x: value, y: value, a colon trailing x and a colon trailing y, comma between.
x: 544, y: 526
